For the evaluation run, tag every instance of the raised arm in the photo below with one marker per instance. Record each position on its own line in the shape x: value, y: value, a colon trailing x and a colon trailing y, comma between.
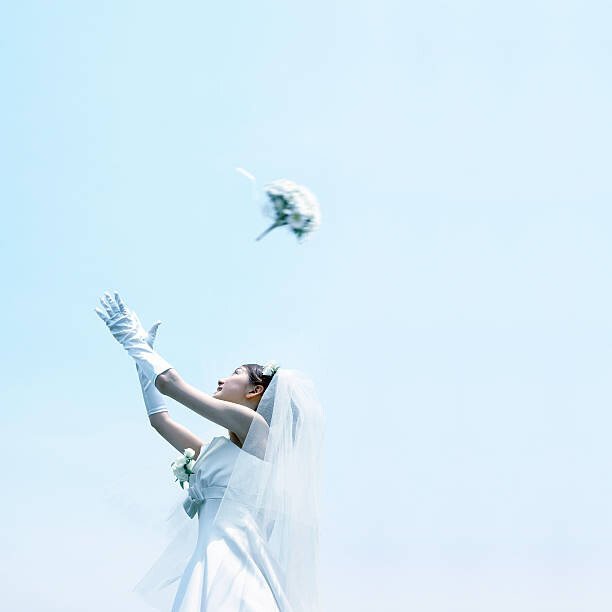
x: 126, y: 328
x: 178, y: 435
x: 232, y: 416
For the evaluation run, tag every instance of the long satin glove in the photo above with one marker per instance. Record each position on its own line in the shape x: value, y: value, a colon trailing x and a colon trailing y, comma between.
x: 153, y: 399
x: 129, y: 332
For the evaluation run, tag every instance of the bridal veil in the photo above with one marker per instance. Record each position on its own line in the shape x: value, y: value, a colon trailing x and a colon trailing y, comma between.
x: 277, y: 476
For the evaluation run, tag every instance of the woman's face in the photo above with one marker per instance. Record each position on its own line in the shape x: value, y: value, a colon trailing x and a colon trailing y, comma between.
x: 235, y: 387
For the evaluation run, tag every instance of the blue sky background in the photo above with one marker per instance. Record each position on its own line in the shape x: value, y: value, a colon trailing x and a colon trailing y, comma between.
x: 453, y: 309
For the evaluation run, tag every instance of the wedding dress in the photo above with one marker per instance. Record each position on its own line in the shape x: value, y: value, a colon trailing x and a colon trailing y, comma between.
x: 250, y: 580
x: 251, y: 544
x: 257, y: 505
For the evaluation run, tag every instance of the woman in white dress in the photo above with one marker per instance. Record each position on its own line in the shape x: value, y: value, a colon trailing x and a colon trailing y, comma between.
x: 255, y: 493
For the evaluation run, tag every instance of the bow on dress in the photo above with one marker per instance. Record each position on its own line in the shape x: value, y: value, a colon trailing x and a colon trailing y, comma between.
x: 196, y: 496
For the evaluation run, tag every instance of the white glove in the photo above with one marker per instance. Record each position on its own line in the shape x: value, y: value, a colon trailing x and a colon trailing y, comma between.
x: 153, y: 399
x: 129, y: 332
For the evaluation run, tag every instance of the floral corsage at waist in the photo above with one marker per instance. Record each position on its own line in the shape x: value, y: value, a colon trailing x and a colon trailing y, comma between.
x: 182, y: 467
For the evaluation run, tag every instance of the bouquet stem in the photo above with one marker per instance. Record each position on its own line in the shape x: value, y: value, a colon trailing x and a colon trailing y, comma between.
x: 276, y: 224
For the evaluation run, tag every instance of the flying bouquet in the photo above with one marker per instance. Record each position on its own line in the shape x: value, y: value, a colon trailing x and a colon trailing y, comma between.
x: 290, y: 204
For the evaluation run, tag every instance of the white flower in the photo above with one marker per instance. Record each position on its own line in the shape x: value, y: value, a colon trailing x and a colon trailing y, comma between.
x: 183, y: 466
x: 178, y: 469
x: 297, y: 220
x: 292, y: 205
x: 270, y: 368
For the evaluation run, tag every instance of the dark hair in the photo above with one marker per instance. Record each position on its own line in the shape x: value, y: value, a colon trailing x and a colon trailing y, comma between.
x: 256, y: 375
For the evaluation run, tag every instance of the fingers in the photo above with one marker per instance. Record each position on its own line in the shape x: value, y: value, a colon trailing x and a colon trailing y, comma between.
x: 112, y: 306
x: 122, y: 307
x: 113, y: 303
x: 101, y: 314
x: 115, y: 313
x: 107, y: 307
x: 153, y: 333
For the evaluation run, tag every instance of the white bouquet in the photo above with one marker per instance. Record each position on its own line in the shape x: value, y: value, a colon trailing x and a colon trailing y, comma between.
x: 292, y: 205
x: 182, y: 467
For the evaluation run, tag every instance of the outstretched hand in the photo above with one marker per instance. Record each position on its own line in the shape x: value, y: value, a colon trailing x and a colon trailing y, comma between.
x: 127, y: 329
x: 122, y: 322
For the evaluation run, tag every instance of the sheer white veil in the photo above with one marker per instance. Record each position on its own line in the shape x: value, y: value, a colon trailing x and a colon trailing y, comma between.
x: 276, y: 478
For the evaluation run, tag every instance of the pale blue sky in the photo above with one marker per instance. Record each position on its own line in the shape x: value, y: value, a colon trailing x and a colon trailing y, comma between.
x: 454, y: 309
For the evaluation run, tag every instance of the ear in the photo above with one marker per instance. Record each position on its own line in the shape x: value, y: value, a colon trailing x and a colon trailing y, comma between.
x: 256, y: 391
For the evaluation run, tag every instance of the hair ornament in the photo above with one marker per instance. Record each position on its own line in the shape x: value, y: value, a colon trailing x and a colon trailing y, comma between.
x: 270, y: 368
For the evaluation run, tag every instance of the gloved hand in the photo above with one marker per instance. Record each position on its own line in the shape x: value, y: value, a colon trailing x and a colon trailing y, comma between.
x: 129, y: 332
x: 153, y: 399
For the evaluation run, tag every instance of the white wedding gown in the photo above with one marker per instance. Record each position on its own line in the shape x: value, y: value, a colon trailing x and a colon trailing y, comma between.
x: 230, y: 569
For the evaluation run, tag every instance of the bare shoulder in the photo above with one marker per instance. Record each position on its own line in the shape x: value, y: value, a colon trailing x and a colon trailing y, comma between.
x: 238, y: 418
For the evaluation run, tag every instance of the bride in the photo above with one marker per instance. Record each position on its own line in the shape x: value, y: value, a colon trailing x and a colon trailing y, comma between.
x: 255, y: 493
